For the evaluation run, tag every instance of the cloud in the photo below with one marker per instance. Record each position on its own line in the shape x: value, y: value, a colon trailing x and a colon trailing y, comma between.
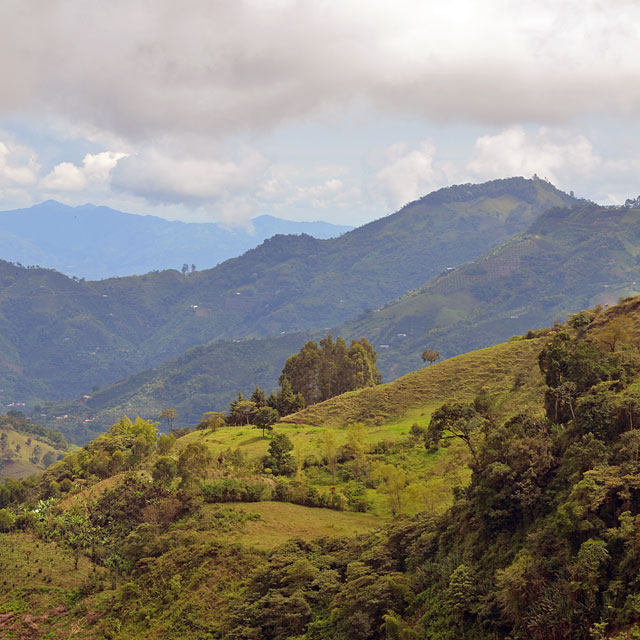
x: 18, y: 166
x: 513, y: 152
x: 288, y: 186
x: 95, y: 171
x: 407, y: 174
x: 225, y: 187
x: 138, y: 68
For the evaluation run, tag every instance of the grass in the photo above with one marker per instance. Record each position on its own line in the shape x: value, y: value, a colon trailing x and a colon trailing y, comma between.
x: 39, y: 586
x: 417, y: 394
x: 22, y: 466
x: 280, y: 521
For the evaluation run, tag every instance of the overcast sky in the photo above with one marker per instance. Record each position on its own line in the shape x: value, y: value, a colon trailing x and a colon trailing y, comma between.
x: 342, y: 110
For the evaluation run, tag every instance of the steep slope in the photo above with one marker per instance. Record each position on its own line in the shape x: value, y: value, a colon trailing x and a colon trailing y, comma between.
x: 61, y: 337
x: 567, y: 260
x: 99, y: 242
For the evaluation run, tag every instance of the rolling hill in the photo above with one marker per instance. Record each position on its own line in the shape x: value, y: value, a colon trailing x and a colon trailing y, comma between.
x: 61, y: 337
x: 567, y: 260
x: 99, y: 242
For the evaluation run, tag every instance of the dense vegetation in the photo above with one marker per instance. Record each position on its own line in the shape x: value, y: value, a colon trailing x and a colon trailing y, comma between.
x: 62, y: 337
x: 319, y: 372
x: 187, y: 536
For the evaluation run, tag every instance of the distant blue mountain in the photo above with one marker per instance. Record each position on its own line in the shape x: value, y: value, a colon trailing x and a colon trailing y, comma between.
x: 99, y: 242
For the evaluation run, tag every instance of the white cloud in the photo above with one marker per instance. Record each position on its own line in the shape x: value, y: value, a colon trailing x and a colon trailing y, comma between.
x: 406, y: 175
x: 514, y: 152
x: 18, y: 166
x: 94, y: 172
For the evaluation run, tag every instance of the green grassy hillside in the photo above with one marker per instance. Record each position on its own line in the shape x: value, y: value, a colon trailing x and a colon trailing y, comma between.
x: 61, y: 337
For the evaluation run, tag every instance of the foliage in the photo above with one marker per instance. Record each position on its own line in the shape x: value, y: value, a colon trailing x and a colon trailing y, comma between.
x: 319, y: 372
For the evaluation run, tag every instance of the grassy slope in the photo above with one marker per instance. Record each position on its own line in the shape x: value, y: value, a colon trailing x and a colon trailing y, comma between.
x: 97, y: 332
x: 20, y: 466
x: 38, y: 590
x: 389, y: 410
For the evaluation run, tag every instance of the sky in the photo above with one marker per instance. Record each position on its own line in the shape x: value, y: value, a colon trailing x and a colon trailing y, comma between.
x: 341, y: 111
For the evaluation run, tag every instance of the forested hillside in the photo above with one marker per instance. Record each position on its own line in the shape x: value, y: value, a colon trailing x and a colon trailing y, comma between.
x: 61, y: 337
x: 492, y: 496
x: 569, y: 259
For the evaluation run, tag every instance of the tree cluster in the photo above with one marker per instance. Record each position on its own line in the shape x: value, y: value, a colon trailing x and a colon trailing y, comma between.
x: 321, y: 371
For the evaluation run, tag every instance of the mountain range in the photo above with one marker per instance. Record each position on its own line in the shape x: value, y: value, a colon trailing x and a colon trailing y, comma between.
x: 99, y: 242
x: 60, y: 337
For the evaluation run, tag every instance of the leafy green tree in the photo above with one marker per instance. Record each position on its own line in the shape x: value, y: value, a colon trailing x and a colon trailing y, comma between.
x: 6, y: 520
x: 286, y: 402
x: 48, y: 459
x: 356, y: 436
x: 279, y: 459
x: 321, y: 371
x: 211, y: 420
x: 454, y: 420
x: 193, y: 462
x: 330, y: 449
x: 165, y: 443
x: 265, y: 418
x: 241, y: 410
x: 393, y: 480
x: 259, y: 397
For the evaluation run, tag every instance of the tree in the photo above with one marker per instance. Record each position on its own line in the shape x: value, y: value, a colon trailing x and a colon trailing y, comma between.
x: 430, y: 355
x: 170, y: 414
x: 165, y: 443
x: 356, y: 434
x: 616, y: 333
x: 241, y: 410
x: 259, y: 397
x: 454, y: 420
x: 265, y: 418
x: 193, y: 462
x: 279, y: 460
x: 393, y: 480
x: 321, y: 371
x: 330, y: 452
x: 49, y: 458
x: 6, y: 520
x: 286, y: 402
x: 211, y: 420
x: 164, y: 471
